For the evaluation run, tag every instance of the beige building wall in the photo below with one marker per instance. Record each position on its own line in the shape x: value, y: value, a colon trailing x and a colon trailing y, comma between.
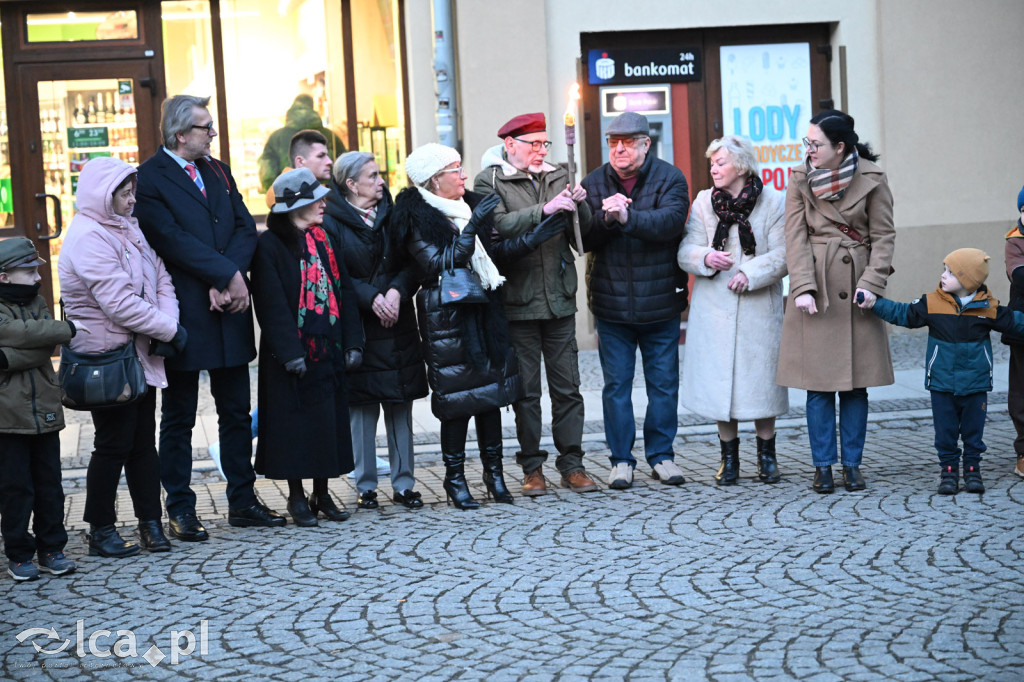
x: 934, y: 86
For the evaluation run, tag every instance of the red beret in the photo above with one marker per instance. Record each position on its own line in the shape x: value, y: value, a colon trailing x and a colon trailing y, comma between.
x: 523, y: 124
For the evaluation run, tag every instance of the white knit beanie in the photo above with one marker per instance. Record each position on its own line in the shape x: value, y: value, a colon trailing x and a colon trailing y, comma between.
x: 426, y: 161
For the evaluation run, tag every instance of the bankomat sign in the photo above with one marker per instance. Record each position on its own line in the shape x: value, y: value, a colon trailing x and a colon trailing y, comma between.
x: 661, y: 65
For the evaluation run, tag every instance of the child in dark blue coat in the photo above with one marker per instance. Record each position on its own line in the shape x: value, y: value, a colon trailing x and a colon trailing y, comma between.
x: 960, y: 315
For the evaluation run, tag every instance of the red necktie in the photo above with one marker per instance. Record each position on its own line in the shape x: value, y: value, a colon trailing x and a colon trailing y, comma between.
x: 191, y: 168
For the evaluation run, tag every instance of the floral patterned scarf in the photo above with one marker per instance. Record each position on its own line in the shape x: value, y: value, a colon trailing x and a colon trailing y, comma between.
x: 319, y: 297
x: 736, y: 210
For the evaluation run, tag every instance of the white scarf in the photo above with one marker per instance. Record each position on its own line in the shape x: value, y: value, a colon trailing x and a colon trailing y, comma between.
x: 459, y: 213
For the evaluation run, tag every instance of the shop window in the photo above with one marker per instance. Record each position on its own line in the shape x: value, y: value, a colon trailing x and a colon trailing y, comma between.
x: 378, y: 85
x: 188, y: 53
x: 283, y: 68
x: 81, y: 26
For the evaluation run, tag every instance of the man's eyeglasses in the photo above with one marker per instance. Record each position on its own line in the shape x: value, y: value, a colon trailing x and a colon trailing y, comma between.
x: 812, y: 145
x: 535, y: 145
x: 208, y: 128
x: 627, y: 142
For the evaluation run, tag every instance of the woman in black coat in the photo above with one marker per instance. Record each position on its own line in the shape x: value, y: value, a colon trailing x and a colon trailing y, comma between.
x: 392, y: 376
x: 472, y: 369
x: 310, y: 335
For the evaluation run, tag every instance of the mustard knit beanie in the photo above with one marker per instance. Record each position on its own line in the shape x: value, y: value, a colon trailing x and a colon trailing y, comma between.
x: 970, y: 266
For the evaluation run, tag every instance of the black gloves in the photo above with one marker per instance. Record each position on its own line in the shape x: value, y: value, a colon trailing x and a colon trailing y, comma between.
x: 353, y: 358
x: 482, y: 210
x: 169, y: 349
x: 296, y: 367
x: 550, y: 227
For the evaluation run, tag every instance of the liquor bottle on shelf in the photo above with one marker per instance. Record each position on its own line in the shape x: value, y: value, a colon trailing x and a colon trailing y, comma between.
x: 79, y: 110
x: 92, y: 114
x: 108, y: 105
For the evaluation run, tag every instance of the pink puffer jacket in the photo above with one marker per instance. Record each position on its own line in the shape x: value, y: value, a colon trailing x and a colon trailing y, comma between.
x: 111, y: 279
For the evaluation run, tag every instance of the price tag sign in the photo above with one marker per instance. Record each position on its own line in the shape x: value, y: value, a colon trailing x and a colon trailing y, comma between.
x: 88, y: 137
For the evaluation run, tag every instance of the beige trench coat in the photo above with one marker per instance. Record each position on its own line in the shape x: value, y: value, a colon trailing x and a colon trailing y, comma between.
x: 842, y: 347
x: 732, y: 340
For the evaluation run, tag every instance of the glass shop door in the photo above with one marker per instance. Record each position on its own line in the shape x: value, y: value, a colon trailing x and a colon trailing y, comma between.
x: 84, y: 111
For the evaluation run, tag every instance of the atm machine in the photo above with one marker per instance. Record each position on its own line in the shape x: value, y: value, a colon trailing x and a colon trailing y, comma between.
x: 652, y: 101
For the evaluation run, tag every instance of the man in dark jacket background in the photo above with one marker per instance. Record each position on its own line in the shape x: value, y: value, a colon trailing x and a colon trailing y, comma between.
x: 300, y: 116
x: 637, y: 293
x: 540, y: 293
x: 189, y: 208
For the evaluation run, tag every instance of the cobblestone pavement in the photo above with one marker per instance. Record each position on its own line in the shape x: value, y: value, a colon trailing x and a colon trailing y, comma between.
x: 657, y: 582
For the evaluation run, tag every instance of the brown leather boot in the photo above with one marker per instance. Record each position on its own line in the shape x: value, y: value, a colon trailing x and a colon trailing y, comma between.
x: 533, y: 484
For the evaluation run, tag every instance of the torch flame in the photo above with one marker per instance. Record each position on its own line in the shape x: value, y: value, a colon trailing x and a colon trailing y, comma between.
x: 570, y: 107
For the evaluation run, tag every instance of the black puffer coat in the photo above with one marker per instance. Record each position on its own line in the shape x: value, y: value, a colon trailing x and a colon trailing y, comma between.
x: 632, y: 275
x: 392, y: 369
x: 471, y: 367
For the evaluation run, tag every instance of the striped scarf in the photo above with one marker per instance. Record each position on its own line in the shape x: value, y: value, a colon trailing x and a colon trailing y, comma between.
x: 830, y: 185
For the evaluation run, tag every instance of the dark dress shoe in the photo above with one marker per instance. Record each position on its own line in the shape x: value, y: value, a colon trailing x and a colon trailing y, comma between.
x: 410, y: 499
x: 852, y: 480
x: 186, y: 526
x: 368, y: 500
x: 256, y: 515
x: 301, y: 514
x: 324, y: 504
x: 152, y: 538
x: 105, y: 541
x: 823, y: 482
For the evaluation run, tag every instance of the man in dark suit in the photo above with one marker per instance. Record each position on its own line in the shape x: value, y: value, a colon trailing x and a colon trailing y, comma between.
x: 191, y: 212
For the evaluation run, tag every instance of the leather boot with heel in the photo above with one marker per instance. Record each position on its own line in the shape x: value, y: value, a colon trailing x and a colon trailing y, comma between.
x: 729, y: 471
x: 824, y: 483
x: 455, y: 486
x: 105, y: 541
x: 767, y: 466
x: 493, y: 476
x: 152, y: 538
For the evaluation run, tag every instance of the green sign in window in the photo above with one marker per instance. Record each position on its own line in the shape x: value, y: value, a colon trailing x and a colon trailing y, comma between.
x: 6, y: 198
x: 88, y: 137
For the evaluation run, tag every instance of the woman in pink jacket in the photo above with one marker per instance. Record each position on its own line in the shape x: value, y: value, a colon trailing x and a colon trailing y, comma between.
x: 114, y: 282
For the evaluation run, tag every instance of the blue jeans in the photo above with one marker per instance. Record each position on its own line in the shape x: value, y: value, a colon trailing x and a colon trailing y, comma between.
x: 821, y: 426
x: 659, y: 351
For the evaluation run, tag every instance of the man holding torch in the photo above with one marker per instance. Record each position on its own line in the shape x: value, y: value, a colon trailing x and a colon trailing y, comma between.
x: 534, y: 230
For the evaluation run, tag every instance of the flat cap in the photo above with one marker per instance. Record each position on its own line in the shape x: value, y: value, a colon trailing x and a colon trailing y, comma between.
x: 523, y: 124
x: 629, y: 123
x: 18, y: 252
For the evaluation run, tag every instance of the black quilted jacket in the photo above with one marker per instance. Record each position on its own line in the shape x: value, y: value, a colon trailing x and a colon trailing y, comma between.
x: 632, y: 275
x: 471, y: 366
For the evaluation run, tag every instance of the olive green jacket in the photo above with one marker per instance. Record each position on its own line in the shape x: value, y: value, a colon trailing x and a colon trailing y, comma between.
x: 542, y: 284
x: 29, y: 392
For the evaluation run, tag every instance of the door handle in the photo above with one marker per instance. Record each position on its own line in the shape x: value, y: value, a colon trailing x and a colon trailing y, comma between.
x: 149, y: 83
x: 58, y: 217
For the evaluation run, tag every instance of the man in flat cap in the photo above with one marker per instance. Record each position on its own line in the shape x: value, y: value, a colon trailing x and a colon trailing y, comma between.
x: 533, y: 224
x: 637, y: 293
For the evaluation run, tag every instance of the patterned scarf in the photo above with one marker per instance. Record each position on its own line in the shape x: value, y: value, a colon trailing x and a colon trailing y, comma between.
x: 829, y: 184
x: 736, y: 210
x: 319, y: 297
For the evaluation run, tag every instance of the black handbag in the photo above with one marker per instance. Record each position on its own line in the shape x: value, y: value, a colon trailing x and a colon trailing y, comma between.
x: 97, y: 381
x: 459, y: 285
